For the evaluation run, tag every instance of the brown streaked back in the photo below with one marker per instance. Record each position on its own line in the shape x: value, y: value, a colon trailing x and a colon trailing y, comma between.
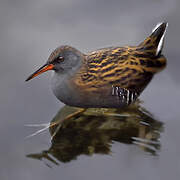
x: 128, y: 67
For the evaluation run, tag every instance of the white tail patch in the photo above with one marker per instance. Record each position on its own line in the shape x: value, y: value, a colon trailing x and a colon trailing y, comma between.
x: 157, y: 26
x: 161, y: 42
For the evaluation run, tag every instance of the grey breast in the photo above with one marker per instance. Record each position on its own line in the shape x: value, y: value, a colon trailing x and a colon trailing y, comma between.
x: 64, y: 91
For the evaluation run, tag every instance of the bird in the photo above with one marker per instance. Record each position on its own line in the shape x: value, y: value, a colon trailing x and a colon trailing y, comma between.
x: 112, y: 77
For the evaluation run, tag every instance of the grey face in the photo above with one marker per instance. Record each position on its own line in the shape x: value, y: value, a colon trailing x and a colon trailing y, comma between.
x: 65, y: 59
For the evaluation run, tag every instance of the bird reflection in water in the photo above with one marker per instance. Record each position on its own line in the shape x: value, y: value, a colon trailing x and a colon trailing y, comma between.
x: 95, y: 130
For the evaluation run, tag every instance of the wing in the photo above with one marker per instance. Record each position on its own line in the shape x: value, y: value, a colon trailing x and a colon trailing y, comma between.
x: 115, y: 66
x: 101, y: 64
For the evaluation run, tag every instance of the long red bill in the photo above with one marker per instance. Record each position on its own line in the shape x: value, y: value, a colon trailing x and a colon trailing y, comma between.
x: 41, y: 70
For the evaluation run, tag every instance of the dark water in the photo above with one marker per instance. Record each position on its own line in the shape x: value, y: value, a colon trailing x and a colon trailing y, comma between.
x: 141, y: 144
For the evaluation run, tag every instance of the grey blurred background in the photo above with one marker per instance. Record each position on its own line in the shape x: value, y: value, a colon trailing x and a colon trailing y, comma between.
x: 30, y: 30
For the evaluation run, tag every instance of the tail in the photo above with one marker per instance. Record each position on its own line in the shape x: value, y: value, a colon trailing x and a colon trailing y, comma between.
x: 155, y: 41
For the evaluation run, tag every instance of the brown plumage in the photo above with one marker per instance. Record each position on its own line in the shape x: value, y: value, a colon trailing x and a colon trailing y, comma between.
x: 126, y: 67
x: 130, y: 67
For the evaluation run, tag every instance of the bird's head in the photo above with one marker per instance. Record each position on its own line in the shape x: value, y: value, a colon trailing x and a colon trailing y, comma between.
x: 63, y: 59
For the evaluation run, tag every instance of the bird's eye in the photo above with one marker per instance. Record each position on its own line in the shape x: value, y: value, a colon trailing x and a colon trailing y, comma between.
x: 59, y: 59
